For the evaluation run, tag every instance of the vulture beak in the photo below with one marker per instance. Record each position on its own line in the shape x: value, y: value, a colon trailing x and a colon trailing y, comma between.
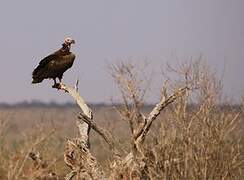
x: 73, y: 41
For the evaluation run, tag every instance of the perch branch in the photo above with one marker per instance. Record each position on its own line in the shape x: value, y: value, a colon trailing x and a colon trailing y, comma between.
x: 83, y: 127
x: 78, y: 99
x: 77, y: 154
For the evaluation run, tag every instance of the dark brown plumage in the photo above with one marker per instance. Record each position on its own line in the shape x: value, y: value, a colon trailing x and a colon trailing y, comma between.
x: 54, y: 65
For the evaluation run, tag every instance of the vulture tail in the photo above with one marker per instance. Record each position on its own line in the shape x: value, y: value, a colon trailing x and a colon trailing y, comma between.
x: 36, y: 75
x: 36, y: 80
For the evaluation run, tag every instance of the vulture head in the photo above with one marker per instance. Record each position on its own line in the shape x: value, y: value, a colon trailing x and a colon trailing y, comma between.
x: 67, y: 43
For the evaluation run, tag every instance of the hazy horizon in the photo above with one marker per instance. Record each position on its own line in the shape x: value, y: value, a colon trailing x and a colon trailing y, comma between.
x: 106, y: 31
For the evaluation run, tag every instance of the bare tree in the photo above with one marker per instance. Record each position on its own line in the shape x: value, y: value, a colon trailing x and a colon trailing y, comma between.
x: 77, y: 154
x: 162, y: 161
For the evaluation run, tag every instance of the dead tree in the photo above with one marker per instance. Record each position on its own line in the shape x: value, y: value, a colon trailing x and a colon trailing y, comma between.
x: 77, y: 154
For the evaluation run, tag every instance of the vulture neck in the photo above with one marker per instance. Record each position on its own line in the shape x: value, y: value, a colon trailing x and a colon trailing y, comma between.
x: 65, y: 48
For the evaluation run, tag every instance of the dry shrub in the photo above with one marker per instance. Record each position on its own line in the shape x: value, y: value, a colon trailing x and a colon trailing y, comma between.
x: 196, y: 143
x: 197, y: 136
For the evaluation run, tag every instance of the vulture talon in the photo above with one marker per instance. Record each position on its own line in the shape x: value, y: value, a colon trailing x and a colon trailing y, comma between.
x: 57, y: 86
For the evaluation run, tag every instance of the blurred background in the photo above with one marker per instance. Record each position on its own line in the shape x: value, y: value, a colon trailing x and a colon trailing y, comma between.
x: 107, y: 31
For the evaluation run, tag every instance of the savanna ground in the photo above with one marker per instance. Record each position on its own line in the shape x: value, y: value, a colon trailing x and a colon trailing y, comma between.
x: 195, y: 137
x: 49, y: 127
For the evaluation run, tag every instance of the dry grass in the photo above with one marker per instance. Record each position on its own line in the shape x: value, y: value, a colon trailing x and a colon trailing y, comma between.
x: 44, y: 131
x: 205, y: 143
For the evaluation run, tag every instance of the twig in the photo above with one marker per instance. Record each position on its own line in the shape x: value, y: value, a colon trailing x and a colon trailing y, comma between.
x: 70, y: 175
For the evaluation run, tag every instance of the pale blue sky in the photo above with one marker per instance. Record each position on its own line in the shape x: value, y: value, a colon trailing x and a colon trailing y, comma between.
x: 107, y: 30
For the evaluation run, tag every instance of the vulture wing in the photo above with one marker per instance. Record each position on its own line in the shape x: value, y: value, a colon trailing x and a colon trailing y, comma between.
x: 43, y: 63
x: 53, y: 66
x: 41, y: 71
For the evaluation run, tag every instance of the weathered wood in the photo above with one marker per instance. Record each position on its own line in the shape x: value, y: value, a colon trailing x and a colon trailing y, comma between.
x: 77, y: 153
x: 78, y: 99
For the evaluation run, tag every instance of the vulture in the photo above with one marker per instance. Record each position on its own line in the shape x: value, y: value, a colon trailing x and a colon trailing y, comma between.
x: 54, y: 65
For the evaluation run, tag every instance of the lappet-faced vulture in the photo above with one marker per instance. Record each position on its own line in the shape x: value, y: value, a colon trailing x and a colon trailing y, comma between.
x: 54, y: 65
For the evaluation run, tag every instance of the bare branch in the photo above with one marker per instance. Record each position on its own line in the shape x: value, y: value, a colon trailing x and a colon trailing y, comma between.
x: 77, y: 154
x: 104, y: 133
x: 164, y: 102
x: 78, y: 99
